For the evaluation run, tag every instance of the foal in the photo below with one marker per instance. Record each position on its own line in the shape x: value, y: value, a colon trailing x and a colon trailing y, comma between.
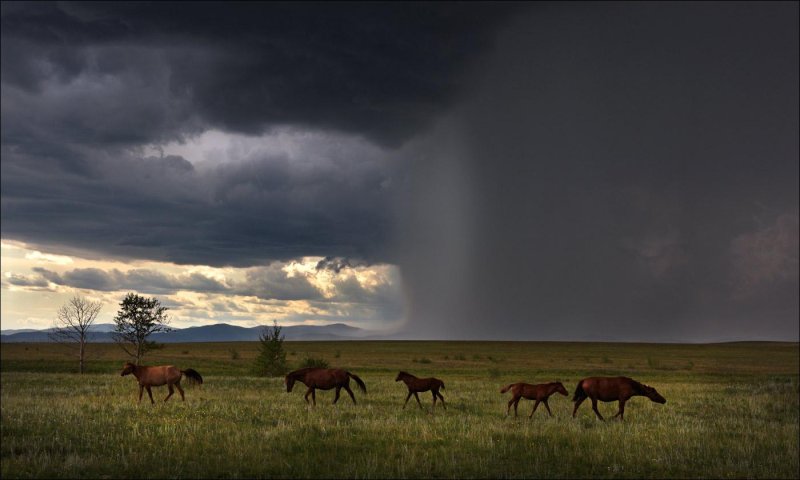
x: 157, y: 376
x: 540, y: 393
x: 609, y: 389
x: 415, y: 385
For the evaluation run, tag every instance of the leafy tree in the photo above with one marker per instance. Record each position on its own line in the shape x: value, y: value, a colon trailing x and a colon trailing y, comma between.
x: 137, y: 318
x: 72, y: 324
x: 271, y: 359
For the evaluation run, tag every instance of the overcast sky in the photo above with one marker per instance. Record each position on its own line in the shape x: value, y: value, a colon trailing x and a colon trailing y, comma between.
x: 540, y: 171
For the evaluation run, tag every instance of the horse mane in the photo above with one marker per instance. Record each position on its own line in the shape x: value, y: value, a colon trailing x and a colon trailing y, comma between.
x: 406, y: 374
x: 640, y: 387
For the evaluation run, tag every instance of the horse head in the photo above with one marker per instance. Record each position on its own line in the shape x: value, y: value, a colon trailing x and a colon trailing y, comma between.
x: 400, y: 376
x: 652, y: 394
x: 127, y: 369
x: 289, y: 381
x: 560, y: 389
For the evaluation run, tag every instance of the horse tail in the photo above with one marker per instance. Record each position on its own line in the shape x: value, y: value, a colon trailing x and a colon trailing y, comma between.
x: 580, y: 393
x: 358, y: 381
x: 442, y: 384
x: 192, y: 375
x: 507, y: 388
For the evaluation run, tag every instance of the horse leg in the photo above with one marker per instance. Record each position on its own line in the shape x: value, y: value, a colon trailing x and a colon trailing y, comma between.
x: 535, y: 406
x: 171, y: 391
x: 434, y: 400
x: 350, y: 392
x: 621, y: 413
x: 336, y: 398
x: 596, y: 411
x: 516, y: 404
x: 418, y: 402
x: 141, y: 391
x: 442, y: 399
x: 547, y: 407
x: 150, y: 392
x: 314, y: 396
x: 180, y: 390
x: 408, y: 397
x: 308, y: 392
x: 577, y: 404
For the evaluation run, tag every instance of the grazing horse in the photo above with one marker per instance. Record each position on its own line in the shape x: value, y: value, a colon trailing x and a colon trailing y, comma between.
x: 324, y: 379
x: 540, y: 393
x: 415, y: 385
x: 609, y: 389
x: 157, y: 376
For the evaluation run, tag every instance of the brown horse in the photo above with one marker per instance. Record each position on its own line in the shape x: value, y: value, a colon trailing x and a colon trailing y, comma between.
x: 323, y: 379
x: 157, y: 376
x: 540, y: 393
x: 609, y: 389
x: 415, y: 385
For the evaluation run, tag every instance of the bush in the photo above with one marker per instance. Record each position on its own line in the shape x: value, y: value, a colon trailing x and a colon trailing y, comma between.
x: 234, y: 354
x: 309, y: 362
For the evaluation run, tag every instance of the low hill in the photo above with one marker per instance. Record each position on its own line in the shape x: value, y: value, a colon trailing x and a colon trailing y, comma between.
x: 220, y: 332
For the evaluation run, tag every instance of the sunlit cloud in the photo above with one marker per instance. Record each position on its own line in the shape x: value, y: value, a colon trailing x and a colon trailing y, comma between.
x: 291, y: 292
x: 48, y: 258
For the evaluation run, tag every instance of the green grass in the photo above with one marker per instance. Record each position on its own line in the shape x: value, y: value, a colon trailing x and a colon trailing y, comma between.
x: 732, y: 412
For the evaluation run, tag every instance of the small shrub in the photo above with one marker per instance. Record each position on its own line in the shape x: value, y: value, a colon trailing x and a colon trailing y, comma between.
x: 446, y: 357
x: 234, y: 354
x: 424, y: 360
x: 606, y: 360
x: 337, y: 354
x: 476, y: 357
x: 314, y: 362
x: 494, y: 372
x: 690, y: 365
x: 653, y: 363
x: 459, y: 357
x: 185, y: 352
x: 271, y: 359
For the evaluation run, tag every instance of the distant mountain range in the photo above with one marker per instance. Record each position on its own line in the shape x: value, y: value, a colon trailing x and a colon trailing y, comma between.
x: 221, y: 332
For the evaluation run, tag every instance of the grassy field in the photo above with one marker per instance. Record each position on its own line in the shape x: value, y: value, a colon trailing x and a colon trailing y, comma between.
x: 731, y: 412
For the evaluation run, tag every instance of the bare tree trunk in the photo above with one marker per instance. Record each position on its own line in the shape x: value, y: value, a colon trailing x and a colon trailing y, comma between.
x: 83, y: 350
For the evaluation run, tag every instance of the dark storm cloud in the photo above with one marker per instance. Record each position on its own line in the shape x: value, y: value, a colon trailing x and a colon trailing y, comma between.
x: 631, y: 172
x: 262, y: 206
x: 374, y: 70
x: 576, y: 171
x: 86, y: 87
